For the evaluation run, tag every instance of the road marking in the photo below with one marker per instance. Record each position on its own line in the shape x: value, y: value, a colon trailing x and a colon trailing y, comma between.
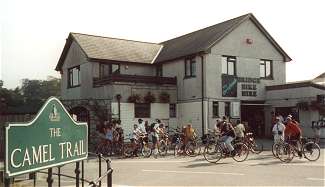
x: 315, y: 179
x: 191, y: 172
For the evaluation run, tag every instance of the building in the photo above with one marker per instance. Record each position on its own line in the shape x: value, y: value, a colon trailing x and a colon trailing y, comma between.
x: 196, y: 78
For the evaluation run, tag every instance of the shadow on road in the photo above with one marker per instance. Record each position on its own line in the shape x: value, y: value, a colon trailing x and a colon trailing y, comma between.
x: 203, y: 165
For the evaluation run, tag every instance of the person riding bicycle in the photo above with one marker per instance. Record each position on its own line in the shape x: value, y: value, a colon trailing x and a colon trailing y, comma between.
x: 293, y: 133
x: 278, y: 130
x: 142, y: 126
x: 239, y: 130
x: 189, y: 133
x: 136, y: 135
x: 227, y: 134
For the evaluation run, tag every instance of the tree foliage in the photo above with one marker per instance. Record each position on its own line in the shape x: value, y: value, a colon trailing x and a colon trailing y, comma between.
x: 30, y: 96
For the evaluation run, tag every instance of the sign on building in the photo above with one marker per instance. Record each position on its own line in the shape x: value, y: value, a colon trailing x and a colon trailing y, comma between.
x: 51, y: 139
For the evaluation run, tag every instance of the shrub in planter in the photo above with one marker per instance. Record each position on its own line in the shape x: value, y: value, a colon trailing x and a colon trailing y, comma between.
x: 303, y: 105
x: 135, y: 98
x: 164, y: 97
x: 149, y: 98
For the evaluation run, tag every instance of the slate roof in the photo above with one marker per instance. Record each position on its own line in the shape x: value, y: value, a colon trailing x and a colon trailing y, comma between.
x: 202, y: 40
x: 114, y: 49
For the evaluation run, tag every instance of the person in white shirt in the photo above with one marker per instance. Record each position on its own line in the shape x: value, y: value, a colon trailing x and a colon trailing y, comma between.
x: 278, y: 130
x: 239, y: 130
x: 142, y: 126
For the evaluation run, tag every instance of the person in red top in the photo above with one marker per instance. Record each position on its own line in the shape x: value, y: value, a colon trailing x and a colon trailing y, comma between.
x: 293, y: 132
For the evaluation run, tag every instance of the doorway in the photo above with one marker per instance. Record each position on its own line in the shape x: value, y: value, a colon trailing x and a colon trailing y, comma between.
x: 253, y: 116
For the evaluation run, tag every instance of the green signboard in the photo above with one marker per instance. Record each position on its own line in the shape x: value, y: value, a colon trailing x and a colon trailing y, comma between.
x: 51, y: 139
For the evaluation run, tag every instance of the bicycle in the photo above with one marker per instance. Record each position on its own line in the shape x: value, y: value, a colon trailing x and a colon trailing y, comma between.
x: 253, y: 146
x: 141, y: 146
x: 213, y: 152
x: 288, y: 150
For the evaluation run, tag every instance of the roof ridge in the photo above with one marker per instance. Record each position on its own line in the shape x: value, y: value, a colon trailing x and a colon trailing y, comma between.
x: 229, y: 20
x: 114, y: 38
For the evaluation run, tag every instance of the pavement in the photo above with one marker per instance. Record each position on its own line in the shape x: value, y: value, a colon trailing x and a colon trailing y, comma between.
x: 257, y: 170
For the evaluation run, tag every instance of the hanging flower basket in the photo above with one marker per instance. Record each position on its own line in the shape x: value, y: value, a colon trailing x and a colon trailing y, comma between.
x: 164, y: 97
x: 149, y: 98
x: 134, y: 98
x: 303, y: 105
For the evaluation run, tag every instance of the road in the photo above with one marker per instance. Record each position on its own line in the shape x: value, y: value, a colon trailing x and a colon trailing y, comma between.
x: 258, y: 170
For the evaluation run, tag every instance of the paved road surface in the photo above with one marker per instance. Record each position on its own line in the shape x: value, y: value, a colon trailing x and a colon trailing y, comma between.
x: 258, y: 170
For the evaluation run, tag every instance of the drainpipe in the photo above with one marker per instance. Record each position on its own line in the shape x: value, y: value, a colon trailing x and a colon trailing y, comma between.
x: 202, y: 91
x: 118, y: 97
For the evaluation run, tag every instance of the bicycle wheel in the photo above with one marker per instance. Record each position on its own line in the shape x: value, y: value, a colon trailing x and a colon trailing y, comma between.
x: 192, y: 149
x: 257, y: 147
x: 241, y: 152
x: 285, y: 152
x: 128, y: 151
x: 179, y: 149
x: 275, y: 150
x: 311, y: 151
x: 146, y: 150
x: 212, y: 153
x: 163, y: 148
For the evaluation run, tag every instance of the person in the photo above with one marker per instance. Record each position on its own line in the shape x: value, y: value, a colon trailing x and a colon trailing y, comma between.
x: 142, y: 126
x: 146, y: 126
x: 293, y: 133
x: 278, y: 130
x: 239, y: 130
x: 155, y: 136
x: 109, y: 134
x: 316, y: 130
x: 136, y: 134
x: 280, y: 117
x: 189, y: 133
x: 227, y: 135
x: 217, y: 126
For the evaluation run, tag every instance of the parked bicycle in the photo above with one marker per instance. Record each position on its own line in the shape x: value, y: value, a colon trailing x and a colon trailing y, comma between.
x: 213, y: 152
x: 138, y: 146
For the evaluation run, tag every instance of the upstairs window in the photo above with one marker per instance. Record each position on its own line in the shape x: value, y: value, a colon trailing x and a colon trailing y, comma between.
x: 159, y: 71
x: 266, y: 69
x: 108, y: 69
x: 190, y: 67
x: 74, y: 77
x: 228, y: 65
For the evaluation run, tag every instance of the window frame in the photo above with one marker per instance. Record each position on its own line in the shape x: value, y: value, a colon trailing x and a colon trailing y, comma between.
x: 142, y: 114
x: 71, y: 75
x: 172, y: 113
x: 215, y: 104
x: 233, y: 60
x: 110, y: 69
x: 263, y: 63
x: 159, y: 70
x: 227, y: 109
x: 191, y: 62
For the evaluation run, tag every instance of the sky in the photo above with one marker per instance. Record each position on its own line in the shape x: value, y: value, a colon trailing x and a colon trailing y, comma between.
x: 33, y: 32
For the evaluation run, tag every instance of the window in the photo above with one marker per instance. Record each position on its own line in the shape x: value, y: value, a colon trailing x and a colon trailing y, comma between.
x: 159, y: 71
x: 74, y: 77
x: 142, y: 110
x: 227, y: 109
x: 266, y: 69
x: 190, y: 67
x: 228, y: 65
x: 172, y: 110
x: 108, y: 69
x: 215, y: 109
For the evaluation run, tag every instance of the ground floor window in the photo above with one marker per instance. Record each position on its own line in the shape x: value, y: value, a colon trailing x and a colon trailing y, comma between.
x: 172, y: 110
x: 142, y: 110
x: 215, y: 109
x: 227, y: 109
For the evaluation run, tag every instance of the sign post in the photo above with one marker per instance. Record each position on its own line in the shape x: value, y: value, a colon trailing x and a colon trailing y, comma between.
x: 51, y: 139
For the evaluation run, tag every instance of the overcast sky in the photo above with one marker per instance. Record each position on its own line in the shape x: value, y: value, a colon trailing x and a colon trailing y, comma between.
x: 33, y: 32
